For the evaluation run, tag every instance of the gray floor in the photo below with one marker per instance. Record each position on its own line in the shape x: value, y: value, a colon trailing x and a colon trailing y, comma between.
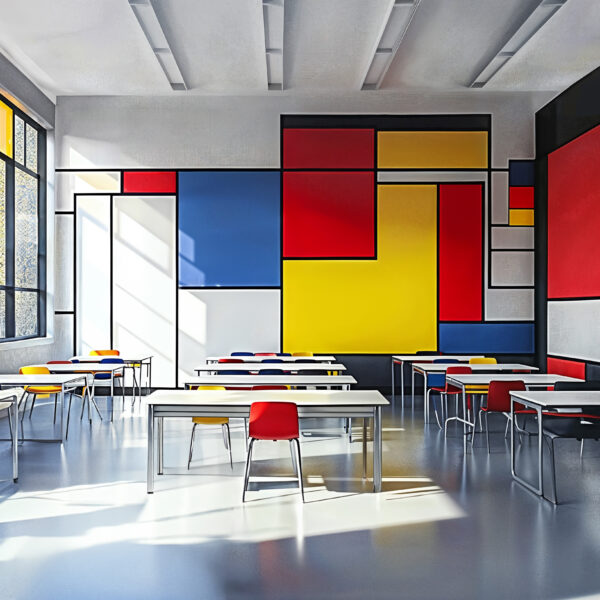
x: 80, y: 525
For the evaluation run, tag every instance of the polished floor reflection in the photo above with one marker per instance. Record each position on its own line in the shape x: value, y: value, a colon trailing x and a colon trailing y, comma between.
x: 80, y: 525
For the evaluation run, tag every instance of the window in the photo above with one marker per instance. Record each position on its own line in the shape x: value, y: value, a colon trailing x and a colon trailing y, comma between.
x: 22, y: 225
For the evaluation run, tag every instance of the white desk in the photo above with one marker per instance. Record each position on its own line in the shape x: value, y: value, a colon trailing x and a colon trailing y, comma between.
x: 264, y: 366
x: 257, y: 359
x: 144, y: 360
x: 64, y: 381
x: 531, y: 381
x: 236, y: 404
x: 91, y: 368
x: 540, y: 401
x: 400, y: 359
x: 13, y: 397
x: 329, y: 381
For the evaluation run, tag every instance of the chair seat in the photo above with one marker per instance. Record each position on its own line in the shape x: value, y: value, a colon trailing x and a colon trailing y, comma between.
x: 105, y: 375
x: 210, y: 420
x: 570, y: 428
x: 43, y: 389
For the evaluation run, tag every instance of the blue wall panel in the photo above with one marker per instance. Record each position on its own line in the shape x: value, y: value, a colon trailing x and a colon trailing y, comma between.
x: 486, y: 338
x: 229, y: 228
x: 521, y: 172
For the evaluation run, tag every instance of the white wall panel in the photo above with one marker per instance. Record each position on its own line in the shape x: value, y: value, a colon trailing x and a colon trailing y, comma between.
x: 64, y: 226
x: 68, y: 184
x: 509, y: 305
x: 144, y: 281
x: 499, y: 187
x: 93, y: 273
x: 433, y: 176
x: 512, y: 268
x: 213, y: 322
x: 513, y: 238
x: 574, y: 329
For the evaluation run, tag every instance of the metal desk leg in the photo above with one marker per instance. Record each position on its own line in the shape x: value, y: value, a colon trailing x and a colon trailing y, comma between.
x: 61, y: 397
x: 364, y: 449
x: 413, y: 387
x: 377, y: 450
x: 393, y: 383
x: 160, y: 444
x: 112, y: 395
x: 464, y: 402
x: 150, y: 470
x: 540, y: 489
x: 15, y: 439
x: 402, y: 382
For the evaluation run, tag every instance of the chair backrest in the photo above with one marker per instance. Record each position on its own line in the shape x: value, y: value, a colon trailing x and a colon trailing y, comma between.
x: 482, y: 360
x: 59, y: 362
x: 272, y: 372
x: 273, y: 421
x: 498, y: 399
x: 284, y: 354
x: 203, y: 388
x: 242, y: 354
x: 230, y: 360
x: 113, y: 361
x: 240, y: 372
x: 438, y: 380
x: 104, y: 353
x: 34, y: 371
x: 271, y: 360
x: 259, y: 388
x: 458, y: 370
x: 265, y: 354
x: 302, y: 354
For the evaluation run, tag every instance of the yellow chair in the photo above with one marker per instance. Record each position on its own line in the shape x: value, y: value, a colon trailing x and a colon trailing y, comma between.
x: 483, y: 360
x: 222, y: 421
x: 302, y: 354
x: 39, y: 391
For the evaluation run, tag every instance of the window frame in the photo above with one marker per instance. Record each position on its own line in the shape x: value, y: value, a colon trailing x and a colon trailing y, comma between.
x: 9, y: 287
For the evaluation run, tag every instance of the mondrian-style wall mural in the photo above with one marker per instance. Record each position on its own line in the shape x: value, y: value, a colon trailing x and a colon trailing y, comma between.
x: 377, y: 234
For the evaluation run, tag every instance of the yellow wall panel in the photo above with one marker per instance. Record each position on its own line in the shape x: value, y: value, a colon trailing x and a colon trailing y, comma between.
x: 520, y: 216
x: 6, y: 129
x: 371, y: 306
x: 432, y: 149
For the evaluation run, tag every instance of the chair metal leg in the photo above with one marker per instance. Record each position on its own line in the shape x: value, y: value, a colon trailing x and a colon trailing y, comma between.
x: 32, y: 405
x: 246, y: 433
x: 506, y: 428
x: 191, y: 445
x: 581, y: 450
x: 55, y: 404
x: 299, y: 462
x: 25, y: 398
x: 294, y: 465
x: 553, y: 470
x: 229, y: 445
x: 364, y: 450
x: 247, y: 474
x: 487, y: 432
x: 69, y: 416
x: 475, y: 425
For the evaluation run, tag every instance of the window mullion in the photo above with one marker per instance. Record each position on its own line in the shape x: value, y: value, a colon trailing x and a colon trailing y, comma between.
x: 10, y: 251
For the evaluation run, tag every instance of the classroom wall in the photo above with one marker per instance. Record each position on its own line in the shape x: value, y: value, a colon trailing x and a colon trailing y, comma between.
x: 568, y: 150
x: 220, y: 161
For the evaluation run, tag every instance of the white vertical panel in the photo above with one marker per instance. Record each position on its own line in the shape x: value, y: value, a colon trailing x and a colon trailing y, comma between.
x: 509, y: 305
x: 145, y: 279
x: 83, y: 182
x: 512, y: 238
x: 63, y: 262
x: 512, y: 268
x: 214, y: 322
x: 499, y: 198
x: 574, y: 329
x: 93, y: 273
x: 63, y: 337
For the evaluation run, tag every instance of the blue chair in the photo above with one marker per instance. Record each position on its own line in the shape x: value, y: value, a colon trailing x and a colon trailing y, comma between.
x: 272, y: 372
x: 284, y: 354
x: 437, y: 380
x: 271, y: 360
x: 100, y: 376
x: 228, y: 372
x: 242, y: 354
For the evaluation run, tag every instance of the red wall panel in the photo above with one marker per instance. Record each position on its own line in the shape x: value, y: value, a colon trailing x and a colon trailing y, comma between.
x: 560, y: 366
x: 328, y: 149
x: 574, y: 218
x: 460, y: 252
x: 521, y: 197
x: 328, y: 214
x: 149, y: 182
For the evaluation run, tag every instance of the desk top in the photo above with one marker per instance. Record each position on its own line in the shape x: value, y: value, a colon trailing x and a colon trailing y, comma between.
x: 126, y: 358
x: 271, y: 380
x: 426, y: 357
x: 82, y: 368
x: 441, y: 367
x: 246, y: 398
x: 561, y: 399
x: 51, y: 379
x: 263, y: 366
x: 526, y: 378
x: 257, y: 359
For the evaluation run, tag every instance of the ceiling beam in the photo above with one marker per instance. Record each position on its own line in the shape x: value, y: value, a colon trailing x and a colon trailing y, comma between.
x: 154, y: 33
x: 528, y: 28
x: 398, y: 19
x: 273, y: 22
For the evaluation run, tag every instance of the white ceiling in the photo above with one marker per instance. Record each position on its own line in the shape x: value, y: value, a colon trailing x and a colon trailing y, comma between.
x: 96, y: 47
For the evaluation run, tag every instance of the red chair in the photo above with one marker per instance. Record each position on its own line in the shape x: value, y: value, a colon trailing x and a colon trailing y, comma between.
x: 262, y: 388
x: 230, y: 360
x: 265, y: 354
x: 274, y: 421
x: 447, y: 390
x: 498, y: 401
